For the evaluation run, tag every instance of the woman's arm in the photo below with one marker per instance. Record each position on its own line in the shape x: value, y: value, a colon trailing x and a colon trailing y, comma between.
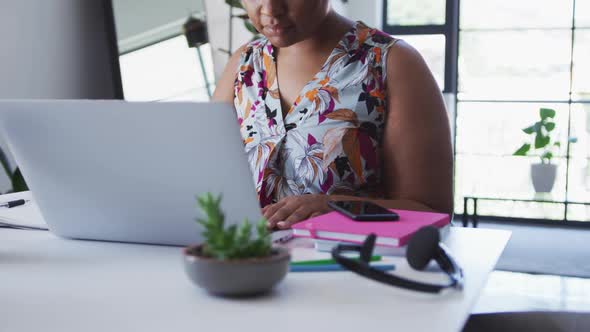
x: 417, y: 152
x: 417, y: 155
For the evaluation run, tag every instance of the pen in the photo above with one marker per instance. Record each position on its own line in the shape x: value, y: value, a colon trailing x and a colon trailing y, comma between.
x: 333, y: 267
x: 328, y: 261
x: 12, y: 204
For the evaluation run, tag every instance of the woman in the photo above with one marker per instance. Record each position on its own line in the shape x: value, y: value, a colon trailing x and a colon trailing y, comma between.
x: 331, y: 109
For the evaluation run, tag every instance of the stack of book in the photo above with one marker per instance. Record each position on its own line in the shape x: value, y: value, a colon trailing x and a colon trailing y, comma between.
x: 333, y: 228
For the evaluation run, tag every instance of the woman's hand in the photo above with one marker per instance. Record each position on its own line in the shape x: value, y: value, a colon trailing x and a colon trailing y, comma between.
x: 293, y: 209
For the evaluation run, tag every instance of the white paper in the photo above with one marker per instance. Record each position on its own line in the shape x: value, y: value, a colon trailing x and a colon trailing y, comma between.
x: 27, y: 215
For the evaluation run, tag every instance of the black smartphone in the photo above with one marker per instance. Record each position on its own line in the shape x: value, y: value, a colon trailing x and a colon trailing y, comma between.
x: 363, y: 211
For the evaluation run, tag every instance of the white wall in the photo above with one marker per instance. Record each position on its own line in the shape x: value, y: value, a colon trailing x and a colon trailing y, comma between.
x: 55, y: 49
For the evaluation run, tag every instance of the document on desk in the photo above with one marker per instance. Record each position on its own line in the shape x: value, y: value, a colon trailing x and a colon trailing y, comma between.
x: 27, y: 215
x: 305, y: 252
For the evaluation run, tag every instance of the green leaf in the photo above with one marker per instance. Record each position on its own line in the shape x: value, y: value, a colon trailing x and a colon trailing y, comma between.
x: 541, y: 141
x: 234, y: 3
x: 547, y: 156
x: 549, y: 126
x: 529, y: 130
x: 18, y: 182
x: 546, y: 113
x: 536, y: 128
x: 5, y: 164
x: 557, y: 144
x: 233, y: 242
x: 250, y: 27
x: 245, y: 232
x: 523, y: 150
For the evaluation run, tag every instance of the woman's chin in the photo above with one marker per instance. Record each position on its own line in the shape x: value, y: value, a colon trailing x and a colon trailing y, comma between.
x: 285, y: 40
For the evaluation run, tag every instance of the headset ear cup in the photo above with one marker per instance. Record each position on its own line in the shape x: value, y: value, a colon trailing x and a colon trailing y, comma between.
x: 422, y: 247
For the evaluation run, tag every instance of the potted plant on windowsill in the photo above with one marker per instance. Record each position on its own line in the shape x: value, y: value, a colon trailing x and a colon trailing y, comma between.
x: 541, y: 132
x: 231, y: 262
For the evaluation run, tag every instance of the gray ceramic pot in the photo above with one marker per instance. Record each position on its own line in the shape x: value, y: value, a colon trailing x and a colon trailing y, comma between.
x: 543, y: 176
x: 236, y: 277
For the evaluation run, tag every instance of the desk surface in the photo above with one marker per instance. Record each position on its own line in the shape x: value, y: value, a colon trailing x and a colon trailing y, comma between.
x: 52, y: 284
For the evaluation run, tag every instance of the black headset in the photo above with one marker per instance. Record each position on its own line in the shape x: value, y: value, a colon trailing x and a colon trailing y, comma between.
x: 422, y: 248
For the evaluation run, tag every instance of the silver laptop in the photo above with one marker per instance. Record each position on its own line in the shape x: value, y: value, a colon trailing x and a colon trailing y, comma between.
x: 130, y: 171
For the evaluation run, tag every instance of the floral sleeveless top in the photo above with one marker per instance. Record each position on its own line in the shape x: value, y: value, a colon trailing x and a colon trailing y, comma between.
x: 329, y: 141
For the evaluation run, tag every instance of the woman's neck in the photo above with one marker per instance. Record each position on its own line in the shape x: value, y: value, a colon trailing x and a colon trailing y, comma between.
x: 328, y: 34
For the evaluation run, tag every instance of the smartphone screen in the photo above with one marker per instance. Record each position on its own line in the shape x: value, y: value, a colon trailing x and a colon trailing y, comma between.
x: 363, y: 211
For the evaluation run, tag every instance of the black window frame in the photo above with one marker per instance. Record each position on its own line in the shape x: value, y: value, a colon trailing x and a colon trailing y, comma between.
x: 451, y: 32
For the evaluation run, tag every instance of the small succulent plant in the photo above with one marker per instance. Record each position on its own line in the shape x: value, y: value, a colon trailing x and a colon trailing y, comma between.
x: 232, y: 242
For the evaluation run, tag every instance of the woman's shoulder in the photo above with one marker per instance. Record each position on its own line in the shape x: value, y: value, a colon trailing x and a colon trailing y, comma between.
x: 374, y: 37
x: 254, y: 46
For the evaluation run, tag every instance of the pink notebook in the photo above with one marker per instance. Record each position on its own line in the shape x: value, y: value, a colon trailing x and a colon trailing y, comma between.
x: 335, y: 226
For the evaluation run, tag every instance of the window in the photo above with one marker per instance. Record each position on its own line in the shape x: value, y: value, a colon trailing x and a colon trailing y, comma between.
x: 167, y: 71
x: 581, y: 65
x: 504, y: 61
x: 514, y: 64
x: 582, y: 13
x: 416, y: 13
x: 432, y: 49
x: 430, y: 27
x: 514, y: 58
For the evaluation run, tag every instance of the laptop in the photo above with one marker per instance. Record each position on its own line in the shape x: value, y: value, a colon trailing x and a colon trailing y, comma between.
x: 130, y: 171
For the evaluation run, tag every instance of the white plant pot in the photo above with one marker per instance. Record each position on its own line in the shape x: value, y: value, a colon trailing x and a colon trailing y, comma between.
x: 543, y: 176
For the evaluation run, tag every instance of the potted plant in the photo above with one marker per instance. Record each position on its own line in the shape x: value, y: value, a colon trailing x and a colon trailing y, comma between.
x: 232, y: 262
x: 16, y: 178
x: 541, y: 133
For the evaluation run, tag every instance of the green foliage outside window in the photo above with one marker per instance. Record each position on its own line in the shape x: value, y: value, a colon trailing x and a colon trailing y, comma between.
x: 541, y: 134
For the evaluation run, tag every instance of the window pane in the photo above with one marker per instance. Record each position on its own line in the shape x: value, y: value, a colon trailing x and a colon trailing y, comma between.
x: 578, y: 212
x: 583, y: 13
x: 199, y: 94
x: 579, y: 169
x: 416, y: 12
x: 432, y: 48
x: 579, y: 180
x: 166, y: 71
x: 515, y: 65
x: 580, y: 129
x: 478, y: 14
x: 581, y: 74
x: 505, y: 177
x: 496, y: 128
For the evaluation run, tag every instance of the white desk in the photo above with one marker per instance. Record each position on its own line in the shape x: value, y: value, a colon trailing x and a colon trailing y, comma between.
x: 51, y: 284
